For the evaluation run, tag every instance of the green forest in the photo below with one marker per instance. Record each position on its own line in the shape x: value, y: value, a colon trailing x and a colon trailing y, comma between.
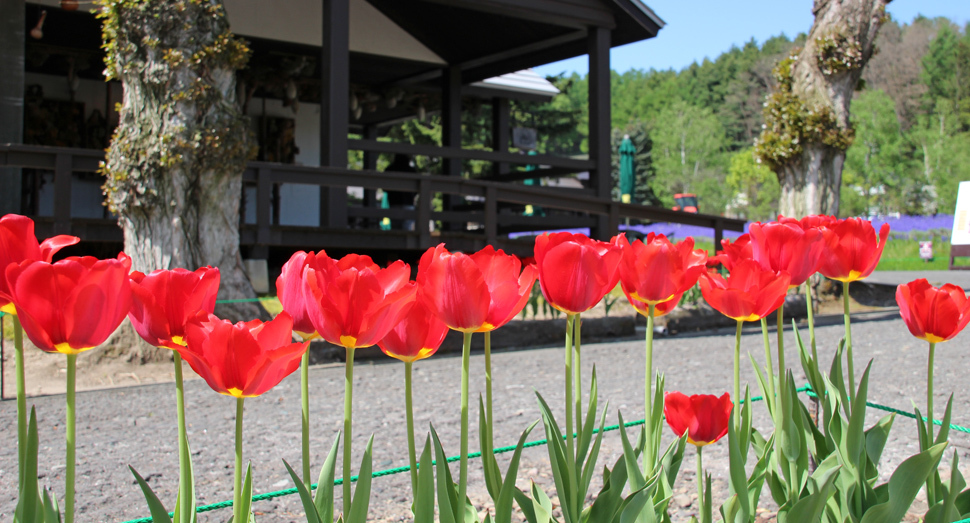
x: 694, y: 129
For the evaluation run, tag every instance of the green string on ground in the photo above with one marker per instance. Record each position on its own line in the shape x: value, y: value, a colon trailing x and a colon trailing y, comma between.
x: 399, y: 470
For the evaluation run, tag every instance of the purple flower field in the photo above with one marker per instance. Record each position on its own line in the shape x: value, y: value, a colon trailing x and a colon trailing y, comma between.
x: 900, y: 226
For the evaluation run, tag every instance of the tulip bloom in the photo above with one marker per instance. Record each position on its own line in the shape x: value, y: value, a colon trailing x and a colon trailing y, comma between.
x: 851, y: 253
x: 661, y: 309
x: 933, y: 314
x: 18, y: 244
x: 69, y: 307
x: 416, y: 337
x: 163, y: 301
x: 354, y: 303
x: 851, y: 249
x: 703, y: 417
x: 655, y: 270
x: 289, y: 290
x: 787, y: 247
x: 72, y: 305
x: 748, y: 294
x: 241, y: 360
x: 476, y: 293
x: 575, y: 272
x: 733, y: 253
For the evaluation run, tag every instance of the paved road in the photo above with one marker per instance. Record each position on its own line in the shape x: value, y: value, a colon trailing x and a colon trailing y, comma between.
x: 137, y: 425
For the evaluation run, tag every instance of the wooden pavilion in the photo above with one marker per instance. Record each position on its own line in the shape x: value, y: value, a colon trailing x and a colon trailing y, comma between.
x: 346, y: 69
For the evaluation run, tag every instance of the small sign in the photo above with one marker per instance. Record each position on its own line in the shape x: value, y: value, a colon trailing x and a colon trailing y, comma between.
x: 524, y: 138
x: 926, y: 250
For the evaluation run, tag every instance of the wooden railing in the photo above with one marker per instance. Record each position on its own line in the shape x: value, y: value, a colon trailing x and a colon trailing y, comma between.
x: 496, y: 210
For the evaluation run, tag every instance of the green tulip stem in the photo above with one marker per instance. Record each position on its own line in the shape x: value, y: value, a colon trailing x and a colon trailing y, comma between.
x: 929, y: 396
x: 348, y: 426
x: 409, y: 406
x: 811, y: 319
x: 768, y: 367
x: 700, y: 482
x: 185, y: 501
x: 71, y: 441
x: 578, y: 373
x: 570, y: 318
x: 237, y: 479
x: 18, y: 344
x: 848, y: 337
x: 305, y: 405
x: 463, y: 462
x: 782, y: 368
x: 737, y: 375
x: 488, y: 387
x: 649, y: 454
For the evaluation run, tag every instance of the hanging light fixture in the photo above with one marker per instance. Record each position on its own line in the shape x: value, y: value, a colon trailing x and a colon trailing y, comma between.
x: 70, y: 5
x: 422, y: 112
x: 38, y: 31
x: 291, y: 91
x: 354, y: 103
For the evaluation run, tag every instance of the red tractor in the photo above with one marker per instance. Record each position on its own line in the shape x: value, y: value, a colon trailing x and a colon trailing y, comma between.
x: 685, y: 202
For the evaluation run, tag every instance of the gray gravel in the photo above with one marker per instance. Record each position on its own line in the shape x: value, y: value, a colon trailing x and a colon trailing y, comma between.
x: 136, y: 425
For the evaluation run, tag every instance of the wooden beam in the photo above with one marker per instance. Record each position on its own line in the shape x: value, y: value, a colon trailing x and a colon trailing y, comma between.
x: 471, y: 154
x: 451, y: 117
x: 12, y: 28
x: 600, y: 177
x: 553, y: 12
x: 334, y: 97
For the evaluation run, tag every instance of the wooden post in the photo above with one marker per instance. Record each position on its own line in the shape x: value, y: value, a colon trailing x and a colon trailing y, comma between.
x: 600, y: 177
x: 718, y: 234
x: 491, y: 215
x: 451, y: 132
x: 370, y: 164
x: 334, y: 117
x: 424, y: 213
x: 62, y: 194
x: 501, y: 113
x: 12, y: 28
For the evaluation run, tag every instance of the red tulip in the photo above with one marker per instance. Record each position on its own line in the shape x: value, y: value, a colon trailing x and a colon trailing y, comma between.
x: 575, y: 272
x: 18, y: 244
x: 787, y: 247
x: 750, y: 292
x: 352, y: 302
x: 933, y: 314
x: 735, y: 252
x: 163, y: 301
x: 416, y: 337
x: 704, y: 417
x: 477, y: 293
x: 851, y: 251
x: 72, y: 305
x: 242, y: 360
x: 289, y: 290
x: 654, y: 271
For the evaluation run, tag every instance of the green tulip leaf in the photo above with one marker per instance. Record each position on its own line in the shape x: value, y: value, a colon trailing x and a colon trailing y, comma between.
x: 308, y: 507
x: 904, y: 485
x: 323, y: 498
x: 361, y: 501
x: 424, y: 497
x: 155, y: 508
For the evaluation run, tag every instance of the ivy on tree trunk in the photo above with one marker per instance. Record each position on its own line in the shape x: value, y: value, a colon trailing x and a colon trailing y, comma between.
x: 807, y: 128
x: 174, y: 167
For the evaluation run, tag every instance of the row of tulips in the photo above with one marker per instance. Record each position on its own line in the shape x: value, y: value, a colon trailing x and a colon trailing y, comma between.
x: 74, y: 304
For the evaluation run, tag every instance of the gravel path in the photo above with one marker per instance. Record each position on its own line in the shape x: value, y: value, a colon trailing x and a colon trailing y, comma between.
x: 136, y: 425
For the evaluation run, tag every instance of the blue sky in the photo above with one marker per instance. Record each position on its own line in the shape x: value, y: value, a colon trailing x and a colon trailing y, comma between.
x: 705, y: 28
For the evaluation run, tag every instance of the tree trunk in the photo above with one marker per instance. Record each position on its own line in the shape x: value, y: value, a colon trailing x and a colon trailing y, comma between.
x: 807, y: 128
x: 174, y: 167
